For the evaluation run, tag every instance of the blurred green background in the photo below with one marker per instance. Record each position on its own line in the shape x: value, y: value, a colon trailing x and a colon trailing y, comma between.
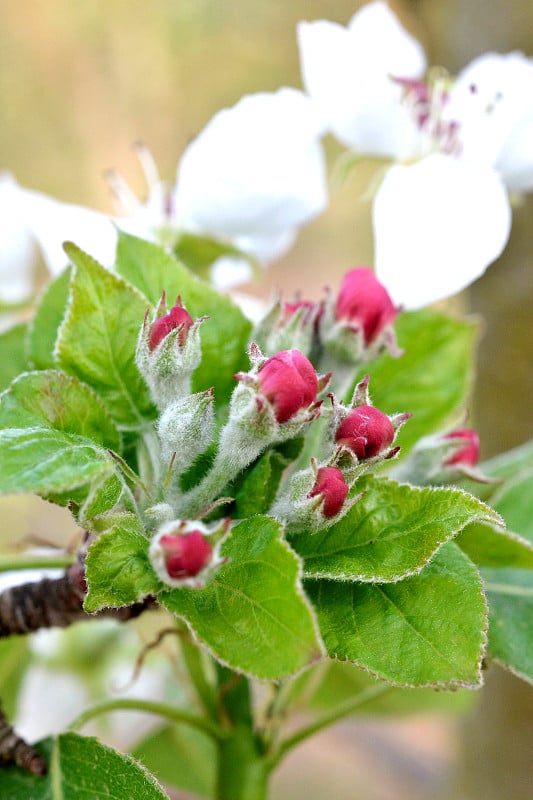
x: 81, y: 81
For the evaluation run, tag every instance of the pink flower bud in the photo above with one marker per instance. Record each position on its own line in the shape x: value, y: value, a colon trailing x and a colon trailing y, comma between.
x: 467, y: 455
x: 177, y: 317
x: 185, y: 554
x: 365, y: 303
x: 288, y: 380
x: 331, y: 485
x: 366, y: 431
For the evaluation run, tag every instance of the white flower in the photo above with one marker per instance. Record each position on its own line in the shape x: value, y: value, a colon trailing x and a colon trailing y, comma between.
x: 251, y: 179
x: 443, y: 215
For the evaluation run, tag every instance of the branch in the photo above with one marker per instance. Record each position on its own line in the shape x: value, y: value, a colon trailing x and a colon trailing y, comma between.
x: 54, y: 603
x: 13, y: 749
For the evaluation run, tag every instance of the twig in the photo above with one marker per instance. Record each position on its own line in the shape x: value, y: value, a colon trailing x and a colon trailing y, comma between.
x: 13, y: 749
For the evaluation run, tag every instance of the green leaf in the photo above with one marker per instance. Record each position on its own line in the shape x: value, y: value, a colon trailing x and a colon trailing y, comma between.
x: 51, y: 399
x: 391, y: 532
x: 98, y: 338
x: 47, y: 320
x: 514, y: 502
x: 510, y: 596
x: 432, y: 379
x: 343, y: 681
x: 199, y: 253
x: 253, y: 616
x: 13, y: 359
x: 44, y: 461
x: 14, y: 658
x: 182, y: 757
x: 487, y: 546
x: 117, y: 567
x: 224, y: 335
x: 511, y: 463
x: 256, y: 490
x: 428, y: 630
x: 81, y: 768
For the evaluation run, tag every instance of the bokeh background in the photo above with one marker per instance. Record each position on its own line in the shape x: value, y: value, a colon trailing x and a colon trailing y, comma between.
x: 80, y: 82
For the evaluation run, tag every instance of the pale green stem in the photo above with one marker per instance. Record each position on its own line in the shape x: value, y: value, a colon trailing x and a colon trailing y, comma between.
x: 192, y: 656
x: 171, y: 713
x: 325, y: 721
x: 12, y: 563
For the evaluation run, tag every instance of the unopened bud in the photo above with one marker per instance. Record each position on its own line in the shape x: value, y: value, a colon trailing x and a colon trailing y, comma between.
x: 359, y: 324
x: 289, y: 325
x: 289, y: 382
x: 466, y: 454
x: 331, y: 486
x: 366, y: 431
x: 178, y: 318
x: 182, y: 555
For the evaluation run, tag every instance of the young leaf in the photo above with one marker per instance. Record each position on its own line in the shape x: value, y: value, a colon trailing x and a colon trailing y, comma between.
x: 510, y: 596
x: 81, y: 768
x: 51, y: 399
x: 181, y: 756
x: 433, y: 377
x: 390, y: 533
x: 13, y: 359
x: 45, y: 461
x: 117, y: 567
x: 514, y: 501
x: 48, y: 317
x: 255, y: 491
x: 253, y: 616
x: 98, y: 338
x: 428, y: 630
x: 224, y: 335
x: 488, y: 546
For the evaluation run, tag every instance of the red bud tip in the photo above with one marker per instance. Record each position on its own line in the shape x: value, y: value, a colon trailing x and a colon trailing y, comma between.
x: 366, y: 431
x: 185, y: 554
x: 289, y: 382
x: 177, y: 317
x: 364, y: 303
x: 331, y: 485
x: 467, y: 455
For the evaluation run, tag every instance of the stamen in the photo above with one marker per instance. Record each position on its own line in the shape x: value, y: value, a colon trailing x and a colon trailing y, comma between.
x: 148, y: 165
x: 122, y: 192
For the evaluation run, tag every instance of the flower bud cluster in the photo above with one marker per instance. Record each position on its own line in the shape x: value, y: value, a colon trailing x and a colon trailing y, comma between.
x: 168, y: 352
x: 351, y: 328
x: 361, y: 436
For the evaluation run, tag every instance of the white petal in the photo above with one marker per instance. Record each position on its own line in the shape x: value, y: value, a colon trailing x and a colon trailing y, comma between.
x: 256, y: 170
x: 438, y: 224
x: 228, y: 271
x: 515, y: 162
x: 489, y: 99
x: 53, y: 223
x: 347, y: 72
x: 17, y: 253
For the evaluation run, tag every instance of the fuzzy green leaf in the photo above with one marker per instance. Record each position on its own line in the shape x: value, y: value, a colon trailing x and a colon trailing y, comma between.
x: 13, y: 359
x: 181, y: 756
x: 487, y: 546
x: 432, y: 379
x: 427, y: 630
x: 253, y: 616
x: 510, y: 596
x: 81, y: 768
x: 48, y: 317
x: 44, y: 462
x: 51, y: 399
x: 224, y: 335
x: 255, y: 491
x: 117, y: 567
x: 98, y: 338
x: 391, y: 532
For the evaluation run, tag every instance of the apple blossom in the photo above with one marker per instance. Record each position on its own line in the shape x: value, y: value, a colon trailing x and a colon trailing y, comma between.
x: 366, y: 431
x: 466, y: 453
x: 251, y: 179
x: 289, y: 382
x: 442, y: 214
